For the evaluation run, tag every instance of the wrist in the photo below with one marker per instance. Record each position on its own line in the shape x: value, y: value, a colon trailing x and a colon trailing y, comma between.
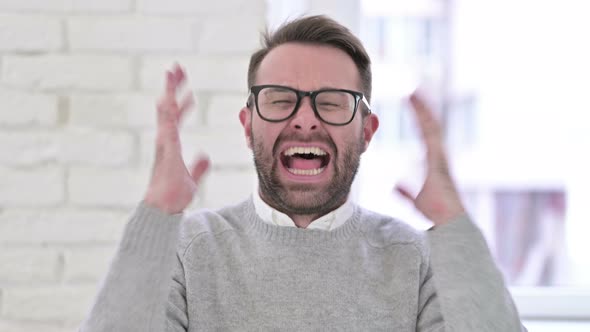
x: 164, y: 205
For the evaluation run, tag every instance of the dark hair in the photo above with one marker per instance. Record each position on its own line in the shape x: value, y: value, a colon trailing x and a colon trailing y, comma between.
x: 320, y: 30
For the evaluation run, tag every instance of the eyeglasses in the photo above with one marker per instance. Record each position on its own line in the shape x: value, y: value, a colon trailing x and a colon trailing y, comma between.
x: 276, y: 103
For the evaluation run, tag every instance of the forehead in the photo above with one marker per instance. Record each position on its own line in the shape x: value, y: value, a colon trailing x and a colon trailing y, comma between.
x: 308, y: 67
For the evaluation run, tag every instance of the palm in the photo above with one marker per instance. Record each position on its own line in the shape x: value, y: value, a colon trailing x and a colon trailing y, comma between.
x: 438, y: 199
x: 172, y: 185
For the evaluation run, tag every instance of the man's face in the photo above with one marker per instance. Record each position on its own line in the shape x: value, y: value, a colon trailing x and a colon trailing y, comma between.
x: 305, y: 166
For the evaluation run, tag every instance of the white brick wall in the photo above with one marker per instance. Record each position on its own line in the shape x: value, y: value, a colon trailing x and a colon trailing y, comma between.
x: 47, y: 303
x: 29, y: 33
x: 98, y: 187
x: 60, y: 226
x: 28, y: 147
x: 78, y: 85
x: 25, y: 326
x: 27, y: 265
x: 189, y: 7
x: 221, y: 112
x: 124, y: 34
x: 27, y: 109
x: 206, y: 73
x: 134, y: 111
x: 238, y: 184
x: 67, y: 72
x: 66, y: 6
x: 32, y: 187
x: 87, y: 264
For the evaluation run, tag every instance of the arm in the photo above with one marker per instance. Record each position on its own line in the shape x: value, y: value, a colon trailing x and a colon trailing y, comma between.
x: 471, y: 290
x: 176, y: 310
x: 134, y: 296
x: 468, y: 287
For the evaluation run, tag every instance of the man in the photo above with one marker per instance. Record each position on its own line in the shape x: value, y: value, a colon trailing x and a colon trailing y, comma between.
x: 298, y: 255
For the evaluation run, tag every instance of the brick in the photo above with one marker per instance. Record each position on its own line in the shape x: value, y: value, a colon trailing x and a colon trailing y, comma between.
x: 222, y: 147
x: 25, y: 326
x: 113, y: 111
x: 25, y: 148
x: 207, y: 73
x: 223, y: 111
x: 77, y: 72
x: 61, y: 226
x: 67, y: 6
x: 201, y: 7
x: 29, y: 33
x: 221, y: 35
x: 95, y: 147
x: 103, y: 6
x: 37, y: 187
x: 26, y: 265
x: 25, y: 109
x: 129, y: 34
x: 87, y: 264
x: 122, y: 188
x: 225, y: 187
x: 73, y: 146
x: 64, y: 304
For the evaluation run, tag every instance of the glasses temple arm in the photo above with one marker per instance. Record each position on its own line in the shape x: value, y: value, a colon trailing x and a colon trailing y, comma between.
x: 366, y: 102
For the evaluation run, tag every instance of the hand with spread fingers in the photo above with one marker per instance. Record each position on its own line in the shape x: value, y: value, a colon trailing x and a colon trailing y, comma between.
x: 438, y: 198
x: 173, y: 185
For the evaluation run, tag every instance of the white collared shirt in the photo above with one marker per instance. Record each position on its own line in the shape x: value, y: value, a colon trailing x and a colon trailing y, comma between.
x: 328, y: 222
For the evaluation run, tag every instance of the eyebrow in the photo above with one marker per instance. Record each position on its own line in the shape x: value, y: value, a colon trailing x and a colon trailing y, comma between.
x: 323, y: 87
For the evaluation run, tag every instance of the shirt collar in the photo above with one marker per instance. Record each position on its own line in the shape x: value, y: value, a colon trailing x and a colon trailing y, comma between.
x: 327, y: 222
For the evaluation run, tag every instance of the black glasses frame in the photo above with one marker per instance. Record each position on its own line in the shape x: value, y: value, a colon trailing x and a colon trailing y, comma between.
x: 358, y: 97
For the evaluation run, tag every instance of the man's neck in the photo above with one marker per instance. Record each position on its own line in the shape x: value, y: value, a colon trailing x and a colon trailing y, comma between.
x: 300, y: 220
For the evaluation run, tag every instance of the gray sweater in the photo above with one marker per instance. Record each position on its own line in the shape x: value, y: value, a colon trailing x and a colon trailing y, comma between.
x: 229, y: 270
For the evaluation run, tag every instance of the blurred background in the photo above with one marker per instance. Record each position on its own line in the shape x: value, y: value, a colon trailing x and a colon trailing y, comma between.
x: 79, y: 80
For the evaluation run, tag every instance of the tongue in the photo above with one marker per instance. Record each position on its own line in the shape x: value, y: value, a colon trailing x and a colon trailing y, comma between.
x: 301, y: 163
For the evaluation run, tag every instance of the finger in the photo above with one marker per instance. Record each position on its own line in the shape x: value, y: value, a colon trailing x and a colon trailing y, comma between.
x: 174, y: 78
x: 167, y: 110
x: 178, y: 75
x: 404, y: 192
x: 187, y: 103
x: 170, y: 84
x: 199, y: 168
x: 430, y: 129
x: 427, y: 123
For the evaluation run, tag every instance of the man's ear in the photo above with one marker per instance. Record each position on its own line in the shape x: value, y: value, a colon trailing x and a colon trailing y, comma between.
x: 370, y: 126
x: 246, y: 120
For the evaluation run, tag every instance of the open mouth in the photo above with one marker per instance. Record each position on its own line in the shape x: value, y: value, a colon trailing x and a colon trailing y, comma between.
x: 305, y: 160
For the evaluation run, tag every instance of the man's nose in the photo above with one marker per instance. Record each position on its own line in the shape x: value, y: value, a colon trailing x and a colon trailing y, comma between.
x: 305, y: 118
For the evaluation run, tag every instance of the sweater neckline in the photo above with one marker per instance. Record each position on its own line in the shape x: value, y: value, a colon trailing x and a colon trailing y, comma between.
x: 296, y: 235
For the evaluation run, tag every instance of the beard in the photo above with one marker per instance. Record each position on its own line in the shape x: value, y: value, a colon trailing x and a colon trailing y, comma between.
x: 304, y: 198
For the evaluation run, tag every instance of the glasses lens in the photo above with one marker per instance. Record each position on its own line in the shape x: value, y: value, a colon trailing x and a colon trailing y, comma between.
x: 335, y: 106
x: 275, y: 103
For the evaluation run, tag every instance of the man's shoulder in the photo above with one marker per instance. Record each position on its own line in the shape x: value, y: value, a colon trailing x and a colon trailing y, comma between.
x: 382, y: 230
x: 211, y: 223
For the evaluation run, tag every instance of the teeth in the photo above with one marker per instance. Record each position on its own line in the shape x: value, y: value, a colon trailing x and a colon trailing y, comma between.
x: 306, y: 171
x: 305, y: 150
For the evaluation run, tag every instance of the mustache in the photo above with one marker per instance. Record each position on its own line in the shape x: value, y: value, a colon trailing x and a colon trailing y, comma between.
x: 315, y: 137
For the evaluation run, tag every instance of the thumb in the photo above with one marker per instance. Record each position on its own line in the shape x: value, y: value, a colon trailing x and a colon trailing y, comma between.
x: 200, y: 166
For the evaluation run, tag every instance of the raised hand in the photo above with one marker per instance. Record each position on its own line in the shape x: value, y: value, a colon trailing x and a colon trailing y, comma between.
x: 438, y: 199
x: 173, y: 185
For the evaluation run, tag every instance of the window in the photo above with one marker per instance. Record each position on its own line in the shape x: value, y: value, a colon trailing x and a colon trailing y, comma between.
x: 509, y: 80
x: 501, y: 74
